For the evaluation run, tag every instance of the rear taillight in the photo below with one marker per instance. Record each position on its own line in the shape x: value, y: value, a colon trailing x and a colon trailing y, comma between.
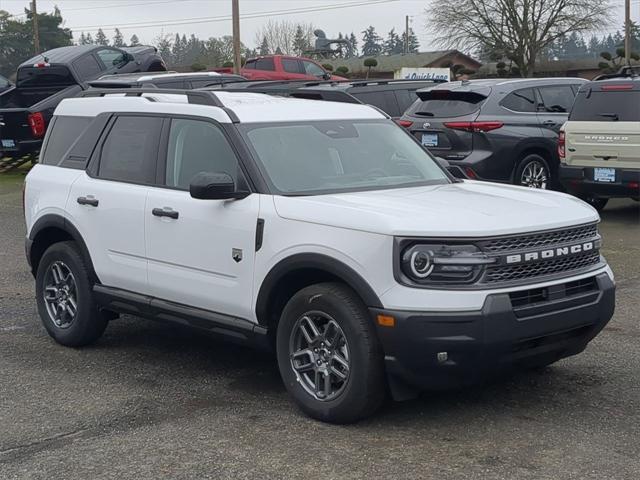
x: 37, y: 124
x: 474, y: 126
x: 404, y: 123
x: 617, y: 88
x: 561, y: 145
x: 470, y: 173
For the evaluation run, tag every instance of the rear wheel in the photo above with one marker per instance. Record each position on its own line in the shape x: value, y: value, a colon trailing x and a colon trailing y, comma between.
x: 65, y: 298
x: 533, y: 171
x: 329, y: 356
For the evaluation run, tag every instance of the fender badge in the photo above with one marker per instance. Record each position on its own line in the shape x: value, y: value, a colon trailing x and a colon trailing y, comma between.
x: 236, y: 254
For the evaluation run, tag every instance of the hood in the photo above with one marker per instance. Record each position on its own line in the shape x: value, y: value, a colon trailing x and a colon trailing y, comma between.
x: 465, y: 209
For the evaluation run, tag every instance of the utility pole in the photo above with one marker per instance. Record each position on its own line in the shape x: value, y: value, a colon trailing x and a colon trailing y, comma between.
x: 34, y: 20
x: 627, y: 32
x: 406, y: 34
x: 235, y: 13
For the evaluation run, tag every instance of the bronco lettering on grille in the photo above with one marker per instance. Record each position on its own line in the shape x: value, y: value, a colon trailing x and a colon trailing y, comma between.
x: 549, y: 253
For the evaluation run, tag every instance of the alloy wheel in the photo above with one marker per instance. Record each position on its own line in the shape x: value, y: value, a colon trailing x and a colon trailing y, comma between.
x: 534, y: 175
x: 319, y: 355
x: 60, y: 295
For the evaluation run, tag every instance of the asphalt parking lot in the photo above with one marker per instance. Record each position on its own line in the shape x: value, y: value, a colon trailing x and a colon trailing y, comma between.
x: 155, y: 401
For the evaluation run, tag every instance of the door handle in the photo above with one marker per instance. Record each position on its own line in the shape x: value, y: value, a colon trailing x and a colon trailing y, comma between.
x: 93, y: 202
x: 549, y: 123
x: 165, y: 212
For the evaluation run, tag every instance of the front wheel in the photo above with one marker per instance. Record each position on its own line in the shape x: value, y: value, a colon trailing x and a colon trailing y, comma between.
x: 329, y: 356
x: 533, y: 172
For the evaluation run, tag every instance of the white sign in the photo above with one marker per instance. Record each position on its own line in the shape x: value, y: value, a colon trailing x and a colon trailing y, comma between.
x: 406, y: 73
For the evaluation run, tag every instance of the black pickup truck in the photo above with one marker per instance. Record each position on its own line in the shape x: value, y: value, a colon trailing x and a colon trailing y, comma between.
x: 43, y: 81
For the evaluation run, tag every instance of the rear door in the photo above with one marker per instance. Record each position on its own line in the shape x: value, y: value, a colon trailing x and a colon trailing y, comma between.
x: 604, y: 128
x: 107, y: 203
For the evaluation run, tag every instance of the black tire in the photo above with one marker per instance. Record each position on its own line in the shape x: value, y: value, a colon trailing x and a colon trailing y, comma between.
x: 89, y: 323
x: 597, y: 202
x: 537, y: 161
x: 364, y: 389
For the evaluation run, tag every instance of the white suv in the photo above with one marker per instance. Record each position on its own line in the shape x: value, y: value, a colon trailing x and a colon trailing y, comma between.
x: 320, y: 230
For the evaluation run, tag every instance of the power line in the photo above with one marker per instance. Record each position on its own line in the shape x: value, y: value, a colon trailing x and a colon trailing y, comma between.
x: 112, y: 6
x: 196, y: 20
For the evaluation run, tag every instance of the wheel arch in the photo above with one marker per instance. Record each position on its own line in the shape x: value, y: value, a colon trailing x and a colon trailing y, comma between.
x: 50, y: 229
x: 298, y: 271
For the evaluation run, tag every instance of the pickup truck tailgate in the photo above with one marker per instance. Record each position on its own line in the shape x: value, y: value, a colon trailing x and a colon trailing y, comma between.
x: 14, y: 128
x: 603, y: 144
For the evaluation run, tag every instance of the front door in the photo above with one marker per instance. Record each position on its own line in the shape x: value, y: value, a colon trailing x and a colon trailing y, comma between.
x: 200, y: 252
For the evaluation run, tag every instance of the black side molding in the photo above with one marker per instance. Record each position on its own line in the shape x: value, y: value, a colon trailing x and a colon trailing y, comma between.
x: 259, y: 233
x: 238, y: 330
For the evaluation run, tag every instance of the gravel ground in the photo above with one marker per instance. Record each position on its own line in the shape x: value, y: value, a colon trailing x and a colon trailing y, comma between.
x: 155, y: 401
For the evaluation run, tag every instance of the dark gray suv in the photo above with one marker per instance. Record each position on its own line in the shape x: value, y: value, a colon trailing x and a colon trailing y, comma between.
x: 502, y: 130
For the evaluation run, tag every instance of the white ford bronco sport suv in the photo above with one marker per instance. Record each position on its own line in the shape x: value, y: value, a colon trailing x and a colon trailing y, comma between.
x: 599, y: 146
x: 321, y: 230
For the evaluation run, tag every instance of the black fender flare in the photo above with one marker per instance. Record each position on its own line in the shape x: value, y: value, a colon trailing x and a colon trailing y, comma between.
x: 59, y: 222
x: 315, y: 261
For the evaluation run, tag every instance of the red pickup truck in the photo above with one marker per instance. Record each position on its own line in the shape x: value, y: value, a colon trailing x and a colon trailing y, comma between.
x: 282, y: 67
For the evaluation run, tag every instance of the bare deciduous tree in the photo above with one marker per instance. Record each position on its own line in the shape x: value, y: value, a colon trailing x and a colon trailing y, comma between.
x: 281, y: 35
x: 518, y: 30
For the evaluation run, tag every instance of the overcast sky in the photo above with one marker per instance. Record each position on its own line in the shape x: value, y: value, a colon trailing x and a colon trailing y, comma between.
x: 194, y: 16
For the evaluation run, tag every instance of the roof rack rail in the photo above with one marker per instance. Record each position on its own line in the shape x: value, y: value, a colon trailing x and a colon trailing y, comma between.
x: 199, y: 97
x: 383, y: 81
x: 196, y: 97
x: 624, y: 72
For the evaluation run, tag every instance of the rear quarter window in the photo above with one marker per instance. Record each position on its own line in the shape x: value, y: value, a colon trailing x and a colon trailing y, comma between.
x: 63, y: 133
x: 520, y: 101
x: 601, y: 106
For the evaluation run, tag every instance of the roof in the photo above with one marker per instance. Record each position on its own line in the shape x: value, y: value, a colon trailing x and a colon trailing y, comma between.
x: 144, y: 77
x: 390, y: 63
x: 61, y: 55
x: 248, y: 107
x: 498, y: 82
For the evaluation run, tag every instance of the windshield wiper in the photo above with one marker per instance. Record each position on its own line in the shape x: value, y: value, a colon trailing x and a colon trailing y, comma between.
x: 612, y: 116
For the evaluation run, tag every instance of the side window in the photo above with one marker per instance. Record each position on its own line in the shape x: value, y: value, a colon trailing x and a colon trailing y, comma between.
x: 405, y: 98
x: 557, y: 99
x: 377, y: 99
x: 110, y: 58
x: 290, y: 65
x: 521, y: 101
x: 205, y: 82
x: 130, y: 150
x: 66, y: 130
x: 197, y: 146
x: 251, y: 64
x: 311, y: 68
x: 170, y: 84
x: 265, y: 64
x: 87, y: 66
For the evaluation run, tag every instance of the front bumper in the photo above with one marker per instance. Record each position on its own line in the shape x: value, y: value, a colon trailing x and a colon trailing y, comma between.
x: 523, y: 328
x: 580, y: 181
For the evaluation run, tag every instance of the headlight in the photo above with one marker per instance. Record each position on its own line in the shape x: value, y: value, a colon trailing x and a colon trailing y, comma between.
x: 433, y: 264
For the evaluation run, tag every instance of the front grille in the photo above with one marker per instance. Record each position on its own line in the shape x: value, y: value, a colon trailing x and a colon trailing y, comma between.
x: 532, y: 241
x: 511, y: 273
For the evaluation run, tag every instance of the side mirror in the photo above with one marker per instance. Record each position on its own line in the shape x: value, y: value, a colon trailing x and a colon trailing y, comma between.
x: 326, y: 76
x: 214, y: 186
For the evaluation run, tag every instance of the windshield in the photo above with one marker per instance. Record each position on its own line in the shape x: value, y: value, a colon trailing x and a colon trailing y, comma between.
x: 340, y: 156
